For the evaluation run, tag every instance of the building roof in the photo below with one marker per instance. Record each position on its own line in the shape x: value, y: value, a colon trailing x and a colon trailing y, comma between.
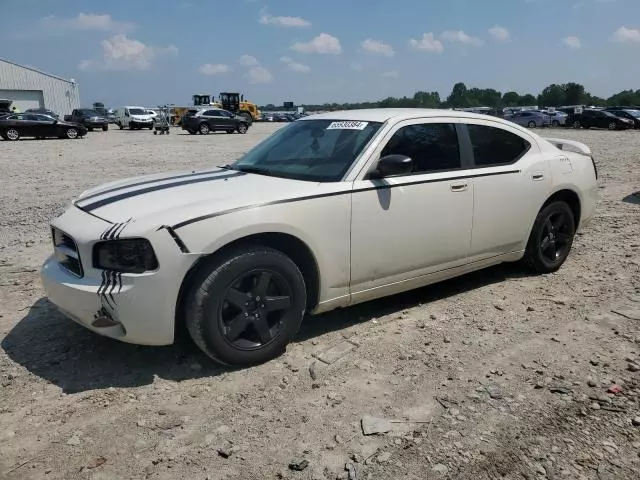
x: 36, y: 70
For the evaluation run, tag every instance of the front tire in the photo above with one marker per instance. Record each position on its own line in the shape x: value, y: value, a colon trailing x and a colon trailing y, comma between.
x: 613, y: 126
x: 204, y: 129
x: 576, y: 124
x: 242, y: 128
x: 105, y: 128
x: 71, y: 133
x: 551, y: 238
x: 246, y: 308
x: 120, y: 126
x: 555, y: 123
x: 532, y: 124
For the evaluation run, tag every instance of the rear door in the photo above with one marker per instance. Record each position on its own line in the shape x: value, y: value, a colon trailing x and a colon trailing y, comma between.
x: 511, y: 180
x: 214, y: 119
x: 227, y: 120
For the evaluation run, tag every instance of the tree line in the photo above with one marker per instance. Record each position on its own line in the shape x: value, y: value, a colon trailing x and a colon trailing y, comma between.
x: 554, y: 95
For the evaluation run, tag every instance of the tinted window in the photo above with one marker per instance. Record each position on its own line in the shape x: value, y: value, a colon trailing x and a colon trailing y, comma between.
x: 211, y: 113
x: 495, y: 146
x: 432, y: 146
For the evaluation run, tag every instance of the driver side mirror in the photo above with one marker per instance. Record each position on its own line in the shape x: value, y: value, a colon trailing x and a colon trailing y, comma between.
x: 391, y: 165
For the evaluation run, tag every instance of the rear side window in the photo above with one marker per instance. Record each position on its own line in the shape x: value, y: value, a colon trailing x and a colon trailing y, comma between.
x: 495, y: 146
x: 433, y: 147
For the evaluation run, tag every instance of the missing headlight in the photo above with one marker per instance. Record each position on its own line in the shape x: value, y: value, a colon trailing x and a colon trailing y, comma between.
x: 127, y: 255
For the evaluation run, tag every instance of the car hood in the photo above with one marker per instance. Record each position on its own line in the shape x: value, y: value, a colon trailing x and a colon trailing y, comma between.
x: 169, y: 199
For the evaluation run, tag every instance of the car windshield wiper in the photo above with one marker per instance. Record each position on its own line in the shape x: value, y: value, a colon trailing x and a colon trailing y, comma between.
x: 256, y: 170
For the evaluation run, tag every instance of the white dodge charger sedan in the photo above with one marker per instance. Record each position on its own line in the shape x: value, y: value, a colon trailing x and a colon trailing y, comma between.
x: 331, y: 210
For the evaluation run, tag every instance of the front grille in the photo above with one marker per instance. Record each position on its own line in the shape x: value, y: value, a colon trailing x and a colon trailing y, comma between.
x: 66, y: 252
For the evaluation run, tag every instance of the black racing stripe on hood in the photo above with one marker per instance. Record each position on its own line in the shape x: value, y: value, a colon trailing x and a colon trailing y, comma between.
x: 147, y: 182
x: 155, y: 188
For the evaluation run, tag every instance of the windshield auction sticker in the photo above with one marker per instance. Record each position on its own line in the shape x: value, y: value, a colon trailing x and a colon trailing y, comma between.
x: 347, y: 125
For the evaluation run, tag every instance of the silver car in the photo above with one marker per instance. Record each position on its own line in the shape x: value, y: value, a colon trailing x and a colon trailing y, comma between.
x: 530, y: 118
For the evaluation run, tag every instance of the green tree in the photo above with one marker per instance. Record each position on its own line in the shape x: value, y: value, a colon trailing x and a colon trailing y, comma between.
x: 458, y: 97
x: 527, y: 100
x: 574, y: 94
x: 552, y: 96
x: 511, y: 99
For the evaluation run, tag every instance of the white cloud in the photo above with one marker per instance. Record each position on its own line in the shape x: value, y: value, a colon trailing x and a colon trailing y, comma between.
x: 499, y: 33
x: 572, y: 42
x: 295, y: 66
x: 377, y: 47
x: 460, y: 37
x: 357, y: 67
x: 624, y: 35
x: 323, y: 44
x: 214, y: 69
x: 86, y: 21
x: 258, y: 74
x: 248, y: 61
x: 283, y: 21
x: 427, y: 43
x: 391, y: 74
x: 123, y: 53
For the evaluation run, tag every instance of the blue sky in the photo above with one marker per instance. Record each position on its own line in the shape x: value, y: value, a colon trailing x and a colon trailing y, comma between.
x: 311, y: 51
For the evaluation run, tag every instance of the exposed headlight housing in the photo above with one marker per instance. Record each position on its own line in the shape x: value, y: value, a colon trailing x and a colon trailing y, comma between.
x: 127, y: 255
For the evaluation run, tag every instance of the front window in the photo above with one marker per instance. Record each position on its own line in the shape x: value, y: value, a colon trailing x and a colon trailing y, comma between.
x: 633, y: 113
x: 137, y: 111
x: 88, y: 112
x: 314, y: 150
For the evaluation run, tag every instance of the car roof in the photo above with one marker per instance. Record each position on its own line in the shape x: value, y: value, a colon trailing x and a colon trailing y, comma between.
x: 385, y: 114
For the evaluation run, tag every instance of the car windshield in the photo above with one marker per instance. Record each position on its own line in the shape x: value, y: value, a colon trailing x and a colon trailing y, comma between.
x: 137, y: 111
x: 88, y: 111
x: 313, y: 150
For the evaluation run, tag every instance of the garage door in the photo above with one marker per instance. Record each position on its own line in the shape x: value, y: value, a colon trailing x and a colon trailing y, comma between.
x: 24, y: 99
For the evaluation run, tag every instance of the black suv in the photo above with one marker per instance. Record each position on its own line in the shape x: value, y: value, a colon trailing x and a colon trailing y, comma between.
x: 213, y: 120
x: 598, y: 119
x: 628, y: 113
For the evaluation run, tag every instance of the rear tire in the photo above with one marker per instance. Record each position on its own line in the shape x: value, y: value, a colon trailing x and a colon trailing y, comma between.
x: 120, y: 126
x: 551, y: 238
x: 12, y: 134
x: 576, y: 124
x: 247, y: 307
x: 105, y: 128
x: 555, y: 123
x: 531, y: 124
x: 613, y: 126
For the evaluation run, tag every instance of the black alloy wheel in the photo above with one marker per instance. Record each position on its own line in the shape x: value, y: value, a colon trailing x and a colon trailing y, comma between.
x: 613, y: 126
x: 551, y: 238
x: 242, y: 128
x: 247, y: 307
x: 253, y: 309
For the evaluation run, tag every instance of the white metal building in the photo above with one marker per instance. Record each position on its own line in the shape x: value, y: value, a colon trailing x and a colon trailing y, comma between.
x: 31, y: 88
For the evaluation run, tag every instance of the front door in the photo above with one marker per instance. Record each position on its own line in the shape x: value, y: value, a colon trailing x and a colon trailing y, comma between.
x: 406, y: 227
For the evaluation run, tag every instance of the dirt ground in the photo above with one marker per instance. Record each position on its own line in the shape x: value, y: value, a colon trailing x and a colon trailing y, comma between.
x: 498, y: 374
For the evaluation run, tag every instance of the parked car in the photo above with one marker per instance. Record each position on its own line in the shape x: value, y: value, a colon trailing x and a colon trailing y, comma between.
x: 19, y: 125
x: 598, y: 119
x: 89, y: 118
x: 111, y: 116
x: 558, y: 118
x: 43, y: 111
x: 629, y: 114
x: 213, y: 120
x: 332, y: 210
x: 530, y: 118
x: 134, y: 118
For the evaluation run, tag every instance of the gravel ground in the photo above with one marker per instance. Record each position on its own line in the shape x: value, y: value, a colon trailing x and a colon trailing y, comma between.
x: 494, y: 375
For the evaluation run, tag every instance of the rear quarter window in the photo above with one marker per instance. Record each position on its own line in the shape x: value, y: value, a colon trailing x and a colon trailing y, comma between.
x: 496, y: 146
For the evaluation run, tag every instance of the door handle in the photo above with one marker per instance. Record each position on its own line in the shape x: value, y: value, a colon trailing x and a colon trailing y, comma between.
x: 459, y: 187
x: 537, y: 176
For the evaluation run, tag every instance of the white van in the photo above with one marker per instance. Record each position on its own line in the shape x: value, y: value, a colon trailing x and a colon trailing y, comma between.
x: 134, y: 118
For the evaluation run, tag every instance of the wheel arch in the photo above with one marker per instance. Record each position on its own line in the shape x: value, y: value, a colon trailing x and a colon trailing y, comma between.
x: 571, y: 198
x: 292, y: 246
